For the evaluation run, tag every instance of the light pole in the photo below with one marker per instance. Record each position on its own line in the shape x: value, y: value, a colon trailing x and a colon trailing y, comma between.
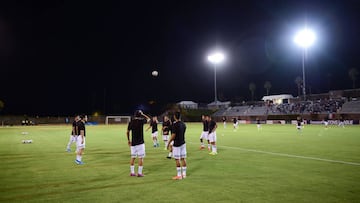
x: 304, y: 38
x: 215, y: 59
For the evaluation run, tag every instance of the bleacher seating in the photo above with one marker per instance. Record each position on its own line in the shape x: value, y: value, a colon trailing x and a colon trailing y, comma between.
x: 351, y: 107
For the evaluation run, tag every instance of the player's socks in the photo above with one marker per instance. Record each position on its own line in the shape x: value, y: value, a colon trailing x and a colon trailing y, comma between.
x: 214, y: 149
x: 209, y: 147
x: 78, y: 157
x: 132, y: 169
x: 140, y: 170
x: 183, y: 171
x: 170, y: 154
x: 178, y: 169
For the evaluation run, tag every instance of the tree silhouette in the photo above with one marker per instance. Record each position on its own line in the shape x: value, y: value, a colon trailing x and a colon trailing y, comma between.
x: 252, y: 88
x: 353, y: 73
x: 298, y: 82
x: 1, y: 105
x: 267, y: 86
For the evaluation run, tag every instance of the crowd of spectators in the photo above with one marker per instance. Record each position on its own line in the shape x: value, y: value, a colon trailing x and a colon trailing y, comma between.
x: 318, y: 106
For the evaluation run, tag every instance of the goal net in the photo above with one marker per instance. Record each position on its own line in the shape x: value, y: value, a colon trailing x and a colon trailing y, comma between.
x: 117, y: 119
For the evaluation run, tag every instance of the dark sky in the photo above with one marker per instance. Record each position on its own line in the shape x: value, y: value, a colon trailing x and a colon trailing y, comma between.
x: 61, y: 58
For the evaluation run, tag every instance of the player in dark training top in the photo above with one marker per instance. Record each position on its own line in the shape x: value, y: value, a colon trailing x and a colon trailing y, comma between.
x: 154, y: 131
x: 137, y: 145
x: 165, y: 130
x: 212, y: 136
x: 179, y: 146
x: 74, y: 133
x: 80, y: 140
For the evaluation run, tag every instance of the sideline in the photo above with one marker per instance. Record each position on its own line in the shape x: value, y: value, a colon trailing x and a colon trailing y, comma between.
x: 289, y: 155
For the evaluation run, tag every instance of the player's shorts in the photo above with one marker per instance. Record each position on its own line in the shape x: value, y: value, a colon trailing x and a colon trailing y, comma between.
x: 154, y: 134
x: 326, y: 123
x: 258, y: 125
x: 165, y: 137
x: 179, y: 152
x: 78, y: 143
x: 137, y: 151
x: 204, y: 135
x: 73, y: 138
x: 298, y: 127
x: 212, y: 137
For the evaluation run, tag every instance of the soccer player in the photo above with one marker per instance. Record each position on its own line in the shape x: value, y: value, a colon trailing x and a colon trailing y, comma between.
x: 212, y: 136
x: 341, y: 122
x: 299, y: 123
x: 258, y: 124
x: 165, y: 130
x: 74, y: 134
x: 179, y: 146
x: 224, y: 121
x: 205, y: 132
x: 236, y: 123
x: 80, y: 140
x: 154, y: 130
x: 326, y: 122
x: 137, y: 145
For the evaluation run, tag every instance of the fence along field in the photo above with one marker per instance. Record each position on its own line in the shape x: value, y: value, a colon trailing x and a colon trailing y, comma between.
x: 275, y: 164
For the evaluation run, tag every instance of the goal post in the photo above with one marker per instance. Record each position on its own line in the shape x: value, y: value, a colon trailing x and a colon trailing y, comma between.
x: 117, y: 119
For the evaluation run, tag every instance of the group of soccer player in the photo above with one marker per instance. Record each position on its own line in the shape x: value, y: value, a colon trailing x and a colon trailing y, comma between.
x: 176, y: 142
x: 209, y: 134
x: 77, y: 136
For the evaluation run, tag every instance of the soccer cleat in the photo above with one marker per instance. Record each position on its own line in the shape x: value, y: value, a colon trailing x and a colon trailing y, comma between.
x: 169, y: 157
x: 68, y: 150
x: 184, y: 176
x: 140, y: 175
x: 157, y: 144
x: 177, y: 178
x: 202, y: 147
x: 79, y: 162
x: 213, y: 153
x: 132, y: 174
x: 154, y: 145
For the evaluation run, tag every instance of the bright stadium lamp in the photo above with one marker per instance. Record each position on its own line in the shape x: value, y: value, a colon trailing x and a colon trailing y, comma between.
x: 215, y: 59
x: 304, y: 38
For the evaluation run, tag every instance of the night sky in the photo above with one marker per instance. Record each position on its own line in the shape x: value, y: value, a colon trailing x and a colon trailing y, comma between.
x: 61, y: 58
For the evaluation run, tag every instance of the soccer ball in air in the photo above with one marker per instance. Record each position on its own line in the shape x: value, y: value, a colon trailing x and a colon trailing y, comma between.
x: 154, y: 73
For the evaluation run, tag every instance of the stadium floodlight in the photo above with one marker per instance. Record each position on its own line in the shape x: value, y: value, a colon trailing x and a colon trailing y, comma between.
x: 215, y: 59
x: 304, y: 38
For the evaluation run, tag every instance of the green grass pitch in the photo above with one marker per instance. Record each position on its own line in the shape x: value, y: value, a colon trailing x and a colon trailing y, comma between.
x: 275, y: 164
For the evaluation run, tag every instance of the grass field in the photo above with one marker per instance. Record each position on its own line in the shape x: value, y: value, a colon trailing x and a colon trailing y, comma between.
x: 276, y: 164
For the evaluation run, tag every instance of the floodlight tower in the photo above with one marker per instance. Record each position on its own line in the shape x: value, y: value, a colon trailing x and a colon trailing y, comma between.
x: 304, y: 38
x: 215, y: 59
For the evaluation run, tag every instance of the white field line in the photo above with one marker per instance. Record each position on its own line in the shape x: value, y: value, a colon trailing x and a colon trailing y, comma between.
x: 289, y: 155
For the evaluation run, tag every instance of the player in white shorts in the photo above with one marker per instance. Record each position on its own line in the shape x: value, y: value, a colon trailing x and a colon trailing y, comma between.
x: 326, y: 122
x: 205, y: 132
x: 74, y: 134
x: 154, y: 131
x: 235, y: 123
x: 341, y: 122
x: 137, y: 144
x: 299, y: 123
x: 80, y: 141
x: 212, y: 136
x: 179, y: 146
x: 166, y: 125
